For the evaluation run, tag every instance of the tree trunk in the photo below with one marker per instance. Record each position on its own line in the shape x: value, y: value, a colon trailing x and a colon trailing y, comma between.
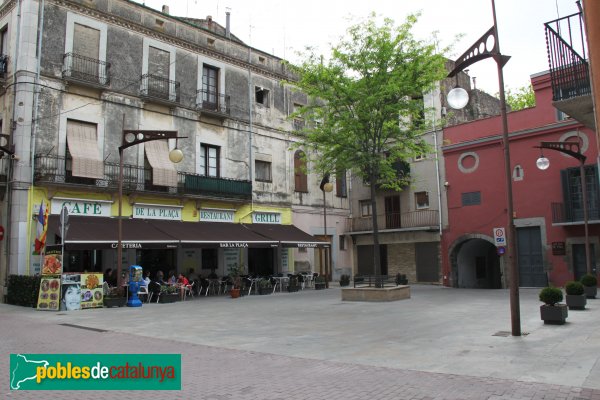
x: 376, y: 250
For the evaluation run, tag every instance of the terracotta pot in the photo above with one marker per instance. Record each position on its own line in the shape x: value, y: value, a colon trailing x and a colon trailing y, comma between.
x: 235, y: 293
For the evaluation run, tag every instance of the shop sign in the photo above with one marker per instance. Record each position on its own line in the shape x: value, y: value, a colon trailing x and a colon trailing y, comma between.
x: 215, y: 215
x: 126, y: 245
x: 155, y: 211
x: 307, y: 245
x: 266, y: 218
x: 558, y: 249
x: 233, y: 244
x: 88, y: 208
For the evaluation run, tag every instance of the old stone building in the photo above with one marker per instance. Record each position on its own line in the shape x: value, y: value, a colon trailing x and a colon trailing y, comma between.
x: 80, y: 74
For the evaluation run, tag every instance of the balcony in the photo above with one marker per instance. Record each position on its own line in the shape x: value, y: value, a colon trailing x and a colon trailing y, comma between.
x: 85, y: 70
x: 414, y: 220
x: 55, y: 170
x: 159, y: 90
x: 569, y: 68
x: 212, y: 104
x: 564, y: 215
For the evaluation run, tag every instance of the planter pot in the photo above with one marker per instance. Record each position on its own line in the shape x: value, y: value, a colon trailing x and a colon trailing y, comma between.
x: 168, y: 298
x: 319, y: 286
x: 235, y: 293
x: 590, y: 291
x: 265, y: 290
x: 576, y: 301
x: 114, y: 302
x: 554, y: 315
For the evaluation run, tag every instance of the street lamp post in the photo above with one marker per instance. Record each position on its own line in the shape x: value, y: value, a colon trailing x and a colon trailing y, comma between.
x: 326, y: 187
x: 572, y: 149
x: 132, y: 138
x: 488, y: 46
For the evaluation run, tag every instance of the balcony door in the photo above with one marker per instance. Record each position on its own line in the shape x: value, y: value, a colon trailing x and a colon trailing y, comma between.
x: 209, y: 87
x: 392, y: 212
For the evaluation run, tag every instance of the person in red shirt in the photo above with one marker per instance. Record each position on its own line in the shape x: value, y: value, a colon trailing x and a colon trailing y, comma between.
x: 182, y: 283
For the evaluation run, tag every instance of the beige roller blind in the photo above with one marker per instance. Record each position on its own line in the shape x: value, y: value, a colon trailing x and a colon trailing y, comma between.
x: 82, y: 139
x: 163, y: 171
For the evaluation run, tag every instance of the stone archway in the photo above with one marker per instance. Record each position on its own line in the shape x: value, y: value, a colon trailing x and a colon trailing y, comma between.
x: 475, y: 263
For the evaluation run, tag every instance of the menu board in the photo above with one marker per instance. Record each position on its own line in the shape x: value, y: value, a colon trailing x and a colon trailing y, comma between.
x: 91, y: 290
x: 48, y: 298
x: 52, y: 261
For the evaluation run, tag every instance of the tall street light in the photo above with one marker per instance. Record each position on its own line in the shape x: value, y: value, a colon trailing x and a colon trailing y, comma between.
x: 132, y: 138
x: 488, y: 46
x: 572, y: 149
x: 326, y: 187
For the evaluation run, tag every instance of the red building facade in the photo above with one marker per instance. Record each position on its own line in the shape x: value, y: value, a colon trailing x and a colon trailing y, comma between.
x: 547, y: 204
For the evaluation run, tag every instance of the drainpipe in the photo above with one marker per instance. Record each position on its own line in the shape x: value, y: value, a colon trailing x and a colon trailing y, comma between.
x: 437, y: 167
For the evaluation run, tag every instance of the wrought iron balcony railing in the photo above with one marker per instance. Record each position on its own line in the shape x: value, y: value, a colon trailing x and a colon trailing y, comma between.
x: 159, y: 88
x: 569, y: 69
x: 408, y: 220
x: 213, y: 103
x: 562, y: 214
x: 85, y: 69
x: 52, y: 169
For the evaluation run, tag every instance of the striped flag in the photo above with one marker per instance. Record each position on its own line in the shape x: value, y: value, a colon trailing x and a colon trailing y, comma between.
x: 41, y: 225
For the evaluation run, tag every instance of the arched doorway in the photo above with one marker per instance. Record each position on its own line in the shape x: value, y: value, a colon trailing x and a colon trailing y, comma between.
x: 475, y: 264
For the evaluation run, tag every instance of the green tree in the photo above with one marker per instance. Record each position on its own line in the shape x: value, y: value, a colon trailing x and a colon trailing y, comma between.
x: 521, y: 98
x: 368, y: 100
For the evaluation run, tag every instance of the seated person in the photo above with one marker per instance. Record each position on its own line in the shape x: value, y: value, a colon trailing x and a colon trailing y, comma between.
x: 212, y: 274
x: 182, y: 280
x: 146, y: 280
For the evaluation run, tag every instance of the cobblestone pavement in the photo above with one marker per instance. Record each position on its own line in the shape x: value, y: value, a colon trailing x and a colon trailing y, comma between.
x: 220, y: 373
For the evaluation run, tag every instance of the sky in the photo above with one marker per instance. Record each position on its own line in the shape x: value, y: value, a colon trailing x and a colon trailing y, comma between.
x: 283, y: 28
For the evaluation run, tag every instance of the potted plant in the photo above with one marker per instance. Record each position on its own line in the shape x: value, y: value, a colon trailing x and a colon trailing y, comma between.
x: 551, y: 311
x: 345, y: 280
x: 320, y: 282
x: 235, y: 272
x: 168, y: 294
x: 293, y: 285
x: 401, y: 279
x: 265, y: 286
x: 114, y: 297
x: 589, y: 283
x: 575, y: 295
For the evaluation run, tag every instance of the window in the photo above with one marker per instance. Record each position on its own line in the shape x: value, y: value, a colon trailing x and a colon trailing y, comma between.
x: 471, y: 198
x: 421, y: 200
x: 84, y: 163
x: 518, y: 173
x: 261, y: 96
x: 3, y: 50
x: 340, y: 183
x: 561, y: 116
x: 365, y: 208
x: 85, y: 49
x: 392, y: 212
x: 209, y: 160
x: 342, y: 242
x: 210, y: 87
x: 420, y: 157
x: 300, y: 178
x: 262, y: 171
x: 158, y: 71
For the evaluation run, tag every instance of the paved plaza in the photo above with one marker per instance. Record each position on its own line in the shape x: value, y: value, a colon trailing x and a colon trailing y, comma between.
x: 442, y: 343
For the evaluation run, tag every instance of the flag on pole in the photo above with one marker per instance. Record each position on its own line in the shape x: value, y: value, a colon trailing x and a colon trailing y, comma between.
x: 41, y: 227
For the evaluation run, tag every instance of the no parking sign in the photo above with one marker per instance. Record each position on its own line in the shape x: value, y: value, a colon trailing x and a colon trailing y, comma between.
x: 499, y: 237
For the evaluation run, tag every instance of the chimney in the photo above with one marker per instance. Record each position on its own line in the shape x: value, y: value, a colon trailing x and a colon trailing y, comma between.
x: 209, y: 21
x: 228, y: 25
x: 165, y: 9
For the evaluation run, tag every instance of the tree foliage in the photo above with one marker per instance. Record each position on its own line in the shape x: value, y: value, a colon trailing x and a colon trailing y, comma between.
x: 367, y: 97
x: 521, y: 98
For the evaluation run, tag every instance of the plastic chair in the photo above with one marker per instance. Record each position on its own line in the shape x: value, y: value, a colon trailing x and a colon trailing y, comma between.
x: 189, y: 290
x: 143, y: 291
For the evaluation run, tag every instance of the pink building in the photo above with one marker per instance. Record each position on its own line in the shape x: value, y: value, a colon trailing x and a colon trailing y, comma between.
x: 548, y: 207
